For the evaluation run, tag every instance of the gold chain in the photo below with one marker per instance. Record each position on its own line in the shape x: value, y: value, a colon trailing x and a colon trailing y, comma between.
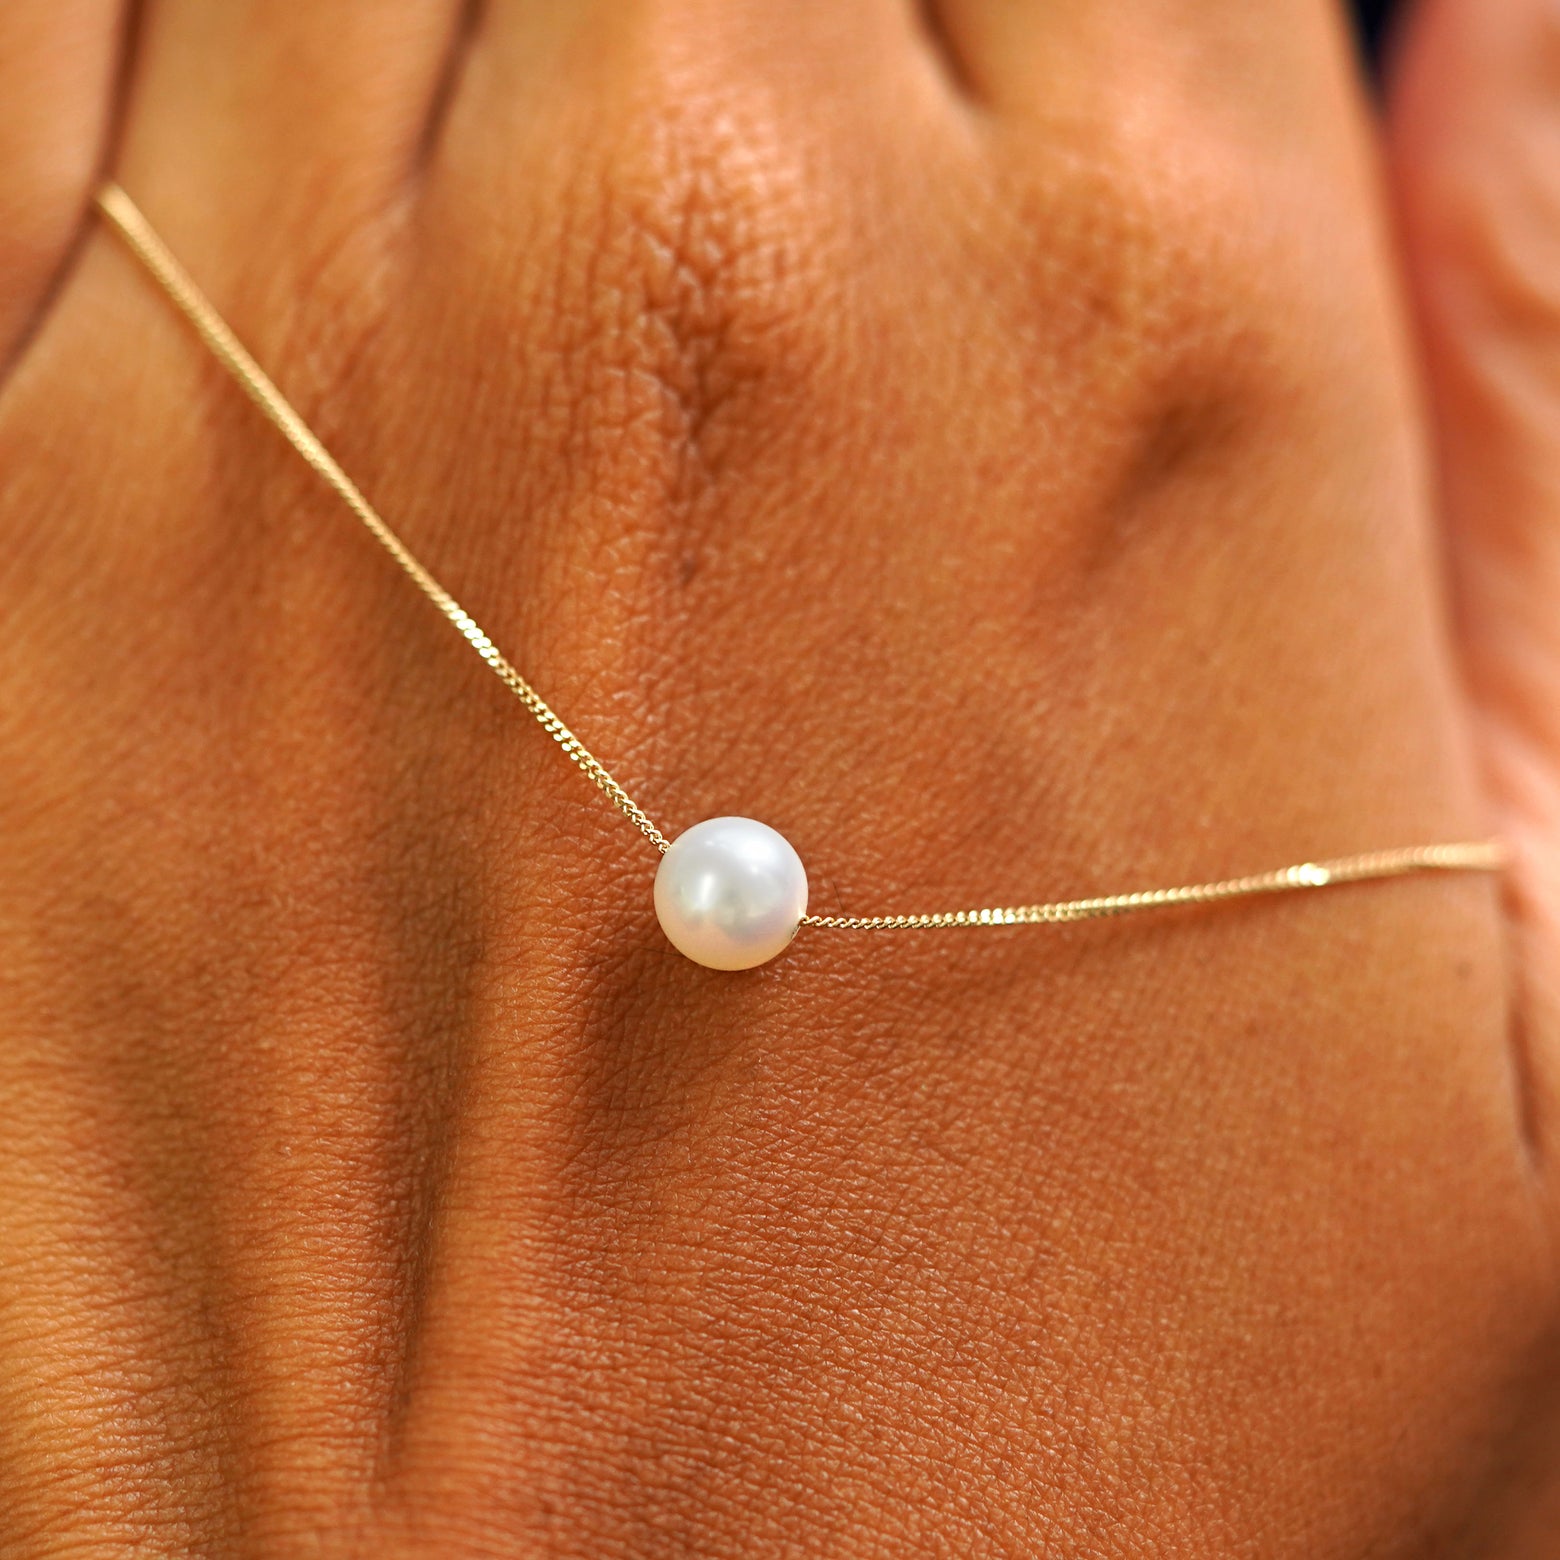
x: 213, y: 330
x: 128, y: 220
x: 1475, y: 856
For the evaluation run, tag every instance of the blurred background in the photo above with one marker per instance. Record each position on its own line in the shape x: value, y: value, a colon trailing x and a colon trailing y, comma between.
x: 1373, y: 18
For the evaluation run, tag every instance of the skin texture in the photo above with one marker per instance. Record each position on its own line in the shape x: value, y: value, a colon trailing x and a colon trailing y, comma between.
x: 987, y: 444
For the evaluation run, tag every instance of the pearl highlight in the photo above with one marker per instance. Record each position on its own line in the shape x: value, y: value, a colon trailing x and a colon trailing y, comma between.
x: 730, y: 893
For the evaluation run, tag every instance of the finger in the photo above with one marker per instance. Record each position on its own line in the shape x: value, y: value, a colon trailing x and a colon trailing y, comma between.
x: 263, y: 120
x: 639, y: 203
x: 57, y: 65
x: 1475, y: 135
x: 712, y: 46
x: 1259, y: 68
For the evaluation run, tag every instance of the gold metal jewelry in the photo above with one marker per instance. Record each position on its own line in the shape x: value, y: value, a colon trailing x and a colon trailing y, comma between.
x: 730, y: 893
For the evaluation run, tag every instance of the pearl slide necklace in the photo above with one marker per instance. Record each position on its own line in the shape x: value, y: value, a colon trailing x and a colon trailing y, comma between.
x: 730, y: 893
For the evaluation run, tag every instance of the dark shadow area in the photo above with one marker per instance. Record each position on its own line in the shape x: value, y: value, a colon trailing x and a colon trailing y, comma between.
x: 1374, y: 18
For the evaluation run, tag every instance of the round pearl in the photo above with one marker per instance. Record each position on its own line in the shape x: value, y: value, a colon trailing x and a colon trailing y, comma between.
x: 730, y: 893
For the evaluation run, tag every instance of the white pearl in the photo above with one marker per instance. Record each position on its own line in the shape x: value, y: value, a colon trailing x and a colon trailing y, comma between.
x: 730, y: 893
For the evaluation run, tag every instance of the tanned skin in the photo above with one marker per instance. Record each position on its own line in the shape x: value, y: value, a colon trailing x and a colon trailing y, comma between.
x: 1016, y: 449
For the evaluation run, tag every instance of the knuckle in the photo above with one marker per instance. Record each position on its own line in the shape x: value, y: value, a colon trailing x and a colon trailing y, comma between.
x: 688, y: 285
x: 1168, y: 320
x: 1127, y: 274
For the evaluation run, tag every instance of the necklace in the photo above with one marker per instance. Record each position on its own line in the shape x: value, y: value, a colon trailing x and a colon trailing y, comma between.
x: 730, y: 893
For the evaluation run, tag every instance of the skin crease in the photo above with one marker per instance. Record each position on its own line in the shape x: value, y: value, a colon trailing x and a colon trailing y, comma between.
x: 988, y: 447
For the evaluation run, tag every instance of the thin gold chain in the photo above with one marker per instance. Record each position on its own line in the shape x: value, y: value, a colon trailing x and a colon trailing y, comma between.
x: 213, y: 330
x: 1474, y: 856
x: 127, y: 219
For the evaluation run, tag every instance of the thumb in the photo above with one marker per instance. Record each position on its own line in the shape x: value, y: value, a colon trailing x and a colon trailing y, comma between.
x: 1474, y: 120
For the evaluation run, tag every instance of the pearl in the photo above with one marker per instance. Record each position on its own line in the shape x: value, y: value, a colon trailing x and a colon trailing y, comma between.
x: 730, y: 893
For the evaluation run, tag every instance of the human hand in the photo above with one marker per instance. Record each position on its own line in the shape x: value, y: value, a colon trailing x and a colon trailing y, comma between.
x: 991, y: 454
